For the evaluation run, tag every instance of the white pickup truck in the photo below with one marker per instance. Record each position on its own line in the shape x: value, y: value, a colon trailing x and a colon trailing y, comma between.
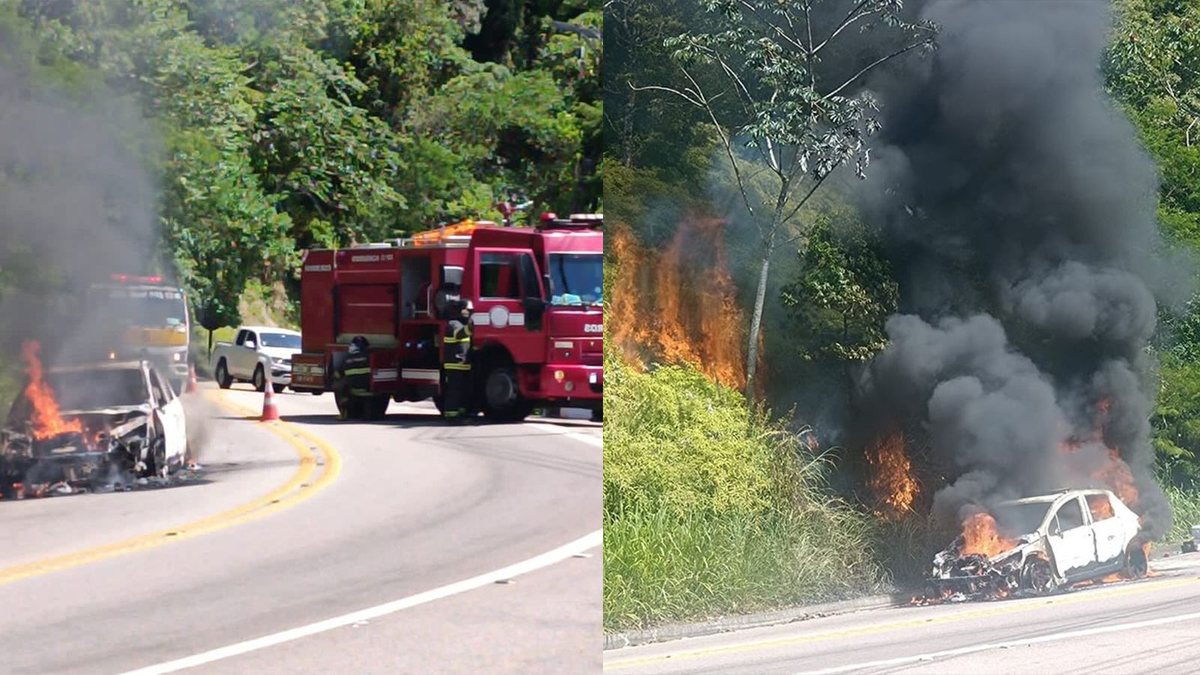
x: 258, y: 352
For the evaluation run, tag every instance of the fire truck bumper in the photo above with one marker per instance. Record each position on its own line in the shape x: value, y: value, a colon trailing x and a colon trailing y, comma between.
x: 573, y: 382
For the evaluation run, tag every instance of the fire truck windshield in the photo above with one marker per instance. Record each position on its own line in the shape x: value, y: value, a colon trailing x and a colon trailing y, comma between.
x: 576, y: 278
x: 148, y: 308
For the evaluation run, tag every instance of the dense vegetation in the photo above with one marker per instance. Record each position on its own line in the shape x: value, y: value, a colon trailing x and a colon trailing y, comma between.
x: 268, y: 127
x: 708, y: 510
x: 831, y: 291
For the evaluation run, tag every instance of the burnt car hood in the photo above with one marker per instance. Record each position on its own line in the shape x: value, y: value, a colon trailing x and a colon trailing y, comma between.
x: 945, y: 559
x: 143, y: 408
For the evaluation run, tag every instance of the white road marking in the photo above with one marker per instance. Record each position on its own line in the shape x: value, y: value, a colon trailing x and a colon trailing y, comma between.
x: 552, y: 430
x: 1053, y: 637
x: 590, y: 440
x: 537, y: 562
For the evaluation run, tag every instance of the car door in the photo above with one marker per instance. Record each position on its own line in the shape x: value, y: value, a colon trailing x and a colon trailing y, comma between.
x: 1071, y: 538
x: 170, y: 413
x: 247, y: 356
x: 1110, y: 532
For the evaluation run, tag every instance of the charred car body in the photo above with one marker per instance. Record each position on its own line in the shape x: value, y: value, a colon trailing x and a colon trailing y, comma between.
x: 108, y: 424
x: 1039, y: 544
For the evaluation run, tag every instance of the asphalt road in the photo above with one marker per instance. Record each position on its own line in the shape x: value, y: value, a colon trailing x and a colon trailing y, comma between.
x: 1152, y: 625
x: 461, y: 549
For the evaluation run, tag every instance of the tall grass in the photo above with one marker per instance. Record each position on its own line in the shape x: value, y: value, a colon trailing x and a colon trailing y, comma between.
x: 1185, y: 505
x: 711, y: 508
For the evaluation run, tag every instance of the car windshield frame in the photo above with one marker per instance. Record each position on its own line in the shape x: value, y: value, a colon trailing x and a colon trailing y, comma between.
x: 91, y: 389
x: 1021, y: 518
x: 278, y: 340
x: 570, y: 273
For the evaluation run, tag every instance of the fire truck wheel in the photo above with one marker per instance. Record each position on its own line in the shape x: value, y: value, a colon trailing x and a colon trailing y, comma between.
x: 350, y: 407
x: 259, y: 379
x: 502, y: 395
x: 224, y: 381
x: 376, y: 406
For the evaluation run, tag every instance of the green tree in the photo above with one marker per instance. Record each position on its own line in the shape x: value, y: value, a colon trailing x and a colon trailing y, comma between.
x: 786, y: 119
x: 843, y: 293
x: 1152, y: 68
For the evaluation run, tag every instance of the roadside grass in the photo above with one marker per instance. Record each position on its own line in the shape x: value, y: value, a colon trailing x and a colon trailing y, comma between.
x: 662, y: 567
x: 1185, y: 505
x: 905, y: 548
x: 711, y: 508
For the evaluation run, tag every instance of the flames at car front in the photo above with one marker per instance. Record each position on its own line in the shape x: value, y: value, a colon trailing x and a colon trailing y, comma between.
x: 45, y: 449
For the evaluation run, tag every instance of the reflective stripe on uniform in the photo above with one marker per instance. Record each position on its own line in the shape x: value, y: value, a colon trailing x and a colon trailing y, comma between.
x: 458, y: 366
x: 357, y: 371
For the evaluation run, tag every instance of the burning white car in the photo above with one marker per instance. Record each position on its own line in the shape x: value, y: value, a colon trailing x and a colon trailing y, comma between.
x: 1039, y: 544
x: 93, y: 425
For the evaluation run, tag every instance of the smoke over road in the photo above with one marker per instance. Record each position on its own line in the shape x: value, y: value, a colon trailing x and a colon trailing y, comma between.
x: 76, y: 204
x: 1020, y: 211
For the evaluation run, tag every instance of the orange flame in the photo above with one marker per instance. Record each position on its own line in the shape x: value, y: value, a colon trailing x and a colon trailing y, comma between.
x: 630, y: 332
x: 46, y: 420
x: 980, y: 536
x: 891, y: 476
x: 1114, y: 472
x: 1100, y: 506
x: 680, y: 304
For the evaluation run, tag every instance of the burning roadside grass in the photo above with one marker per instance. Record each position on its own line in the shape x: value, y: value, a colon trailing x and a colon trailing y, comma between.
x: 679, y: 304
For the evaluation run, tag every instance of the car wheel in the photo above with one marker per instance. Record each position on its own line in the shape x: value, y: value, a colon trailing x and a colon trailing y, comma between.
x: 1136, y: 564
x: 1039, y: 576
x: 160, y: 464
x: 259, y: 379
x: 224, y: 381
x: 502, y: 395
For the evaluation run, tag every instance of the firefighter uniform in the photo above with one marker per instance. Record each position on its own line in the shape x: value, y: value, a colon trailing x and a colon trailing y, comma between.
x: 356, y: 369
x: 456, y: 363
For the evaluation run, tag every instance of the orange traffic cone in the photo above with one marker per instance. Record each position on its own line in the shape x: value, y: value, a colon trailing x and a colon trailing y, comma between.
x: 192, y: 386
x: 269, y: 412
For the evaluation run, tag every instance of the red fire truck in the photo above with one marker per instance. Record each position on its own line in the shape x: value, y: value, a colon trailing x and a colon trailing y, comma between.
x: 537, y: 309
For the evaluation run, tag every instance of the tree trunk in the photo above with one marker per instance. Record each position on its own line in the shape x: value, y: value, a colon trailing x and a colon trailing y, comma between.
x: 760, y: 298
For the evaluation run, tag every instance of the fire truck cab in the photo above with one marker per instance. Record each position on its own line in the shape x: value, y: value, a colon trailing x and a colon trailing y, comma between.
x: 537, y: 307
x: 139, y: 317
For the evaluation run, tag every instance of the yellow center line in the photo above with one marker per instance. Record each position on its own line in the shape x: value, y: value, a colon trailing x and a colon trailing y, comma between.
x: 297, y: 489
x: 899, y: 625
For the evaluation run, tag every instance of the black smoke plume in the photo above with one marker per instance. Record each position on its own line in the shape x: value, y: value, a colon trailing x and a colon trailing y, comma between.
x: 1020, y: 208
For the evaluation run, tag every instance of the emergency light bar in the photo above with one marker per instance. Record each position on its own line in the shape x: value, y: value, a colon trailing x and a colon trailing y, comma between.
x: 449, y: 233
x: 126, y: 279
x: 576, y: 220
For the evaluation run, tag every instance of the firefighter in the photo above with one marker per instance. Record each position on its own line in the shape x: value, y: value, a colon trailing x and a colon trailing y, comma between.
x: 356, y: 369
x: 456, y: 363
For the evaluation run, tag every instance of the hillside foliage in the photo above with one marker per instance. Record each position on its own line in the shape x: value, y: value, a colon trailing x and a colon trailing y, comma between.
x: 270, y: 127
